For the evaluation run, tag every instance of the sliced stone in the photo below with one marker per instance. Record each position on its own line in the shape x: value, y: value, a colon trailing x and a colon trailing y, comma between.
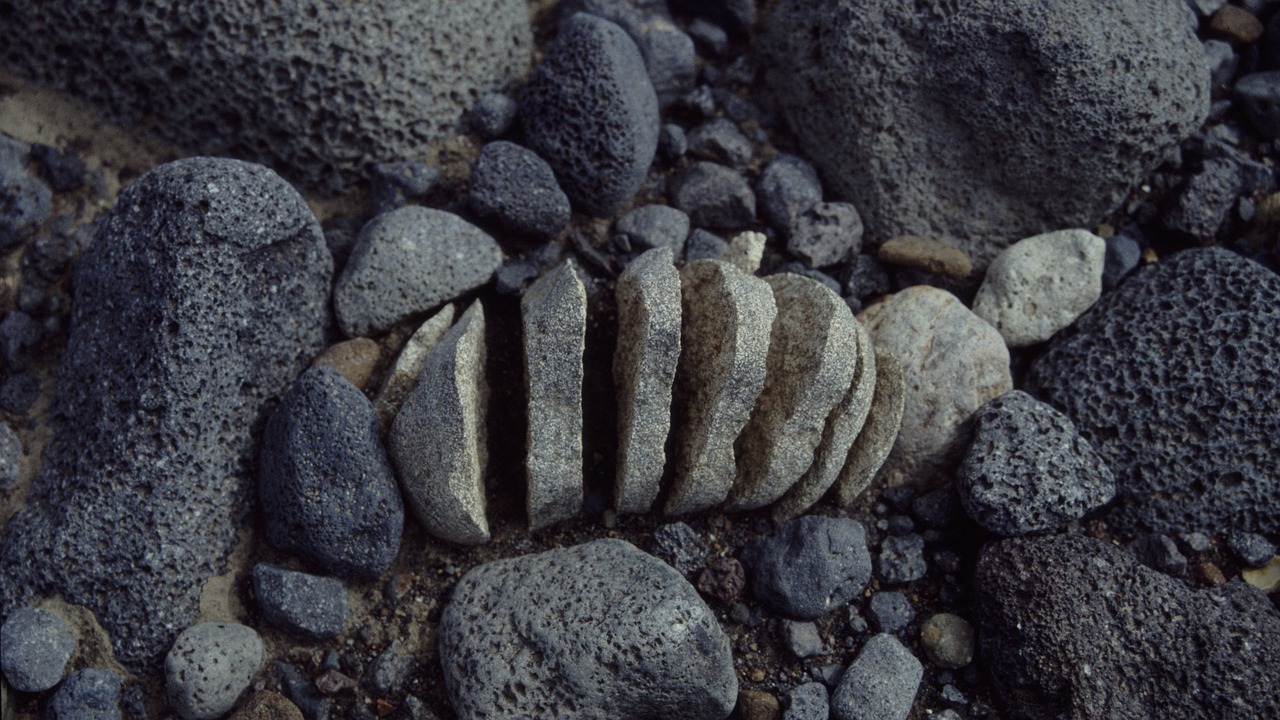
x: 403, y: 377
x: 554, y: 310
x: 876, y: 440
x: 811, y: 364
x: 724, y: 349
x: 438, y: 441
x: 644, y: 372
x: 844, y: 426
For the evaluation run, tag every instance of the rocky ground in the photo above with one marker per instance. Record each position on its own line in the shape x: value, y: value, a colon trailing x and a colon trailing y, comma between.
x: 1068, y: 247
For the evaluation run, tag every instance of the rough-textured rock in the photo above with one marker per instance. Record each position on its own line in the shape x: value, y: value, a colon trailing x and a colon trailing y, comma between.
x: 758, y: 705
x: 788, y: 187
x: 388, y: 671
x: 1154, y: 647
x: 1251, y: 549
x: 439, y: 441
x: 515, y: 189
x: 680, y: 547
x: 322, y: 90
x: 990, y: 121
x: 1159, y: 552
x: 812, y: 361
x: 725, y: 345
x: 901, y: 559
x: 1028, y: 470
x: 209, y: 666
x: 408, y: 261
x: 952, y: 363
x: 328, y: 494
x: 1039, y: 285
x: 654, y: 226
x: 843, y: 427
x: 268, y: 705
x: 809, y: 566
x: 1259, y: 95
x: 880, y: 683
x: 493, y: 115
x: 1171, y: 378
x: 719, y: 140
x: 35, y: 646
x: 554, y: 313
x: 355, y: 359
x: 25, y: 200
x: 87, y: 695
x: 714, y: 196
x: 826, y: 234
x: 802, y: 639
x: 745, y: 251
x: 404, y: 374
x: 204, y: 295
x: 596, y: 630
x: 10, y: 456
x: 644, y: 372
x: 808, y: 702
x: 306, y: 606
x: 724, y: 578
x: 879, y: 432
x: 668, y: 52
x: 948, y: 640
x: 590, y: 111
x: 890, y: 611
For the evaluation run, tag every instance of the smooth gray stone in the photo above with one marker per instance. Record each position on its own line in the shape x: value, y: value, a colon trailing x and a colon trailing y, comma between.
x: 404, y: 373
x: 880, y: 684
x: 209, y: 667
x: 35, y: 646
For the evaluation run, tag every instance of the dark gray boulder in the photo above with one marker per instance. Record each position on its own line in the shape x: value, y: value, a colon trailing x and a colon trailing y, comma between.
x: 328, y: 494
x: 602, y: 629
x: 1171, y: 377
x: 515, y: 189
x: 1074, y: 627
x: 981, y: 123
x: 203, y: 295
x: 809, y: 566
x: 590, y: 111
x: 320, y: 90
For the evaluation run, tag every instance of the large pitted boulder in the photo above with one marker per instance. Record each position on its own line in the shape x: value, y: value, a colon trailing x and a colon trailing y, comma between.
x: 204, y: 294
x: 321, y: 89
x: 1172, y: 378
x: 1074, y: 627
x: 987, y: 121
x: 593, y: 631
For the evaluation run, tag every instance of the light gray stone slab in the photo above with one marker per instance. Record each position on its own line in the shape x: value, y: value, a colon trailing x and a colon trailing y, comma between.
x: 403, y: 377
x: 874, y: 443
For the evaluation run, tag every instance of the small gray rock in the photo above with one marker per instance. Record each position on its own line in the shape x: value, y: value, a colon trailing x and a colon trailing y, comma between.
x: 808, y: 702
x: 809, y: 566
x: 788, y: 187
x: 673, y: 142
x: 891, y: 611
x: 1252, y: 549
x: 88, y: 694
x: 20, y: 335
x: 326, y: 486
x: 590, y: 110
x: 389, y: 670
x: 654, y: 226
x: 709, y: 36
x: 303, y: 693
x: 1160, y: 552
x: 1203, y: 202
x: 25, y: 200
x: 719, y: 140
x: 880, y: 684
x: 714, y: 196
x: 493, y: 115
x: 680, y: 547
x: 948, y: 641
x: 408, y: 261
x: 10, y: 456
x: 704, y: 245
x: 1123, y: 255
x: 395, y: 183
x: 1259, y: 95
x: 802, y: 639
x: 902, y: 559
x: 1222, y: 61
x: 515, y: 189
x: 35, y: 646
x: 209, y: 666
x: 307, y: 606
x: 825, y: 234
x: 602, y: 628
x: 736, y: 16
x: 1028, y: 469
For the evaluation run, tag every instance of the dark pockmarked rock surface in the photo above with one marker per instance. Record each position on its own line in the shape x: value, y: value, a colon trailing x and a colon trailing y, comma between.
x: 619, y: 634
x: 203, y: 295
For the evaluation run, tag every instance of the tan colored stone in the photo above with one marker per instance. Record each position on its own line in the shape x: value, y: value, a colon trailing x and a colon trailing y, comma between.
x: 438, y: 440
x: 267, y: 705
x: 758, y: 705
x: 728, y: 316
x: 554, y: 313
x: 812, y: 361
x: 644, y: 372
x: 1234, y: 23
x: 356, y: 359
x: 1265, y: 578
x: 404, y: 373
x: 927, y: 254
x: 876, y: 440
x: 745, y: 252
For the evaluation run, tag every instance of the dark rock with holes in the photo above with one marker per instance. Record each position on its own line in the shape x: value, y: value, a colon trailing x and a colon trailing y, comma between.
x: 590, y: 111
x: 991, y: 121
x: 25, y: 200
x: 668, y: 52
x: 1028, y: 470
x: 809, y: 566
x: 204, y: 294
x: 35, y: 647
x: 597, y: 630
x: 654, y: 226
x: 88, y: 694
x: 396, y: 183
x: 366, y: 83
x: 1180, y: 341
x: 307, y: 606
x: 515, y: 189
x: 788, y: 187
x: 714, y: 196
x: 719, y: 140
x: 493, y: 115
x: 1154, y: 647
x: 825, y: 234
x: 328, y: 494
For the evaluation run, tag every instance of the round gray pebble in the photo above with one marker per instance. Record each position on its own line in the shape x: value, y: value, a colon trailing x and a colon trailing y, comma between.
x: 209, y: 667
x: 948, y: 640
x: 35, y: 646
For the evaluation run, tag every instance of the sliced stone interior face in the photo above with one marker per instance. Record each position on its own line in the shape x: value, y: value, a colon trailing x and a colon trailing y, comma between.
x: 872, y: 447
x: 403, y: 377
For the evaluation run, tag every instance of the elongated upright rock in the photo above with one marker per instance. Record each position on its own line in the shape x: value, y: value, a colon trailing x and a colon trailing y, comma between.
x: 555, y: 329
x: 204, y: 294
x: 404, y: 374
x: 438, y: 441
x: 843, y: 428
x: 811, y: 363
x: 728, y: 316
x: 874, y: 443
x: 644, y: 372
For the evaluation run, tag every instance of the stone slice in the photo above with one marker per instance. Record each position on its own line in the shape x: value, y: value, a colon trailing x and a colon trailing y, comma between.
x: 438, y: 441
x: 725, y: 345
x: 555, y: 329
x: 644, y: 372
x: 876, y: 440
x: 843, y: 428
x: 403, y: 377
x: 811, y: 364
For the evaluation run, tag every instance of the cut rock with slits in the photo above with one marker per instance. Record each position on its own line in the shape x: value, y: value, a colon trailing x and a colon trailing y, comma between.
x: 403, y: 377
x: 874, y: 443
